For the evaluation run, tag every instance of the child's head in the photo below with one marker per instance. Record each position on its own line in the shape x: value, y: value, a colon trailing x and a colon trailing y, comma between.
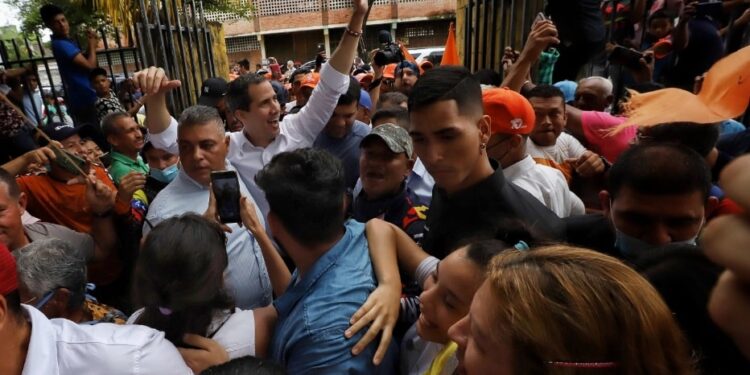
x: 99, y: 82
x: 450, y: 289
x: 91, y: 150
x: 660, y: 24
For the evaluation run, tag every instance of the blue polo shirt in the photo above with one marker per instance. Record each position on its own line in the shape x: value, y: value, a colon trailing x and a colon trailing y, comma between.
x: 78, y: 91
x: 315, y: 310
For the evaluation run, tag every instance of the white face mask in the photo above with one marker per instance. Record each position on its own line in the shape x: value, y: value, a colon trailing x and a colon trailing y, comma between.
x: 632, y: 247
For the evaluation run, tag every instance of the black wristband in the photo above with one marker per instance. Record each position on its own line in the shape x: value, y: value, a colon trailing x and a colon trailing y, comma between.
x: 375, y: 83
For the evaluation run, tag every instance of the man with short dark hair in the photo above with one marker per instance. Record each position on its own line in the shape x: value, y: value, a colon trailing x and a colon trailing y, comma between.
x: 244, y: 66
x: 471, y: 197
x: 203, y: 149
x: 299, y: 100
x: 74, y: 66
x: 343, y: 133
x: 393, y: 99
x: 657, y: 194
x: 305, y: 191
x: 394, y: 115
x: 126, y: 139
x: 550, y: 145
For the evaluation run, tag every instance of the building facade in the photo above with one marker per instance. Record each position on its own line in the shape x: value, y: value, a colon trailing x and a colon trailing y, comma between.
x: 297, y: 29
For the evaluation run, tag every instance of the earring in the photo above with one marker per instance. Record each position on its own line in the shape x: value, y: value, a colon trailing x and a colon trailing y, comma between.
x: 482, y: 146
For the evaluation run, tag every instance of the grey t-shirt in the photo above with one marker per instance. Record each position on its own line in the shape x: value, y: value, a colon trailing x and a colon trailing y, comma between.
x: 80, y: 241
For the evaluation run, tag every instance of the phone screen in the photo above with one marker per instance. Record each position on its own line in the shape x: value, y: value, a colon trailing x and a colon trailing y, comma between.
x: 226, y: 190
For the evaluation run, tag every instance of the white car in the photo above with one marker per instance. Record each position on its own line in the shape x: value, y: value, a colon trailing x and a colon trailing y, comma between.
x: 433, y: 54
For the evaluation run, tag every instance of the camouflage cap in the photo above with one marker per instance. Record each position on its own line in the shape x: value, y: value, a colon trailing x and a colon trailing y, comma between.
x: 395, y: 137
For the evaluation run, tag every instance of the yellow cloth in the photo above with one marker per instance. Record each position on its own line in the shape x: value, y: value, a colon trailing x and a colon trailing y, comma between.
x: 436, y: 368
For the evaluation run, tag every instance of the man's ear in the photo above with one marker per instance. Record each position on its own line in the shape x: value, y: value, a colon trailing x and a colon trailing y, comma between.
x: 226, y: 141
x: 485, y: 128
x: 712, y: 203
x: 22, y: 200
x: 111, y: 139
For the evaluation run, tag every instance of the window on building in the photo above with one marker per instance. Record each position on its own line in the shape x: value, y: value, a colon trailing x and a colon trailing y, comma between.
x: 242, y: 44
x: 277, y: 7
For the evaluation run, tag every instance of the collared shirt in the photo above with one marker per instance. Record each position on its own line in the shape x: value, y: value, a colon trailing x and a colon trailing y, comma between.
x: 481, y: 211
x: 296, y: 132
x: 122, y: 165
x: 419, y: 181
x: 546, y: 184
x: 246, y: 275
x: 566, y: 147
x: 345, y: 149
x: 61, y: 347
x: 315, y: 310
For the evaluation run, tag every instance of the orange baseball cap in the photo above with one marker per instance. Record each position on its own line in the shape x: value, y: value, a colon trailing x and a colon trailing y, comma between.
x: 510, y: 113
x: 310, y: 80
x: 390, y: 71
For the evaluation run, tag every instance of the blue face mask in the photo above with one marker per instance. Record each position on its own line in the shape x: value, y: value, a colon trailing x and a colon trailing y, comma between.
x: 165, y: 175
x: 45, y: 298
x: 632, y: 247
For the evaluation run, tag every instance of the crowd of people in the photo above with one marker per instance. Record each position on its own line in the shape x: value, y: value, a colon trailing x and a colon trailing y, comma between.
x: 396, y: 219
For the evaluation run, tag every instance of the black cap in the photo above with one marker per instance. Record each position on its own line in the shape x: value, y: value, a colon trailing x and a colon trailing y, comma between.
x: 58, y: 131
x: 212, y: 90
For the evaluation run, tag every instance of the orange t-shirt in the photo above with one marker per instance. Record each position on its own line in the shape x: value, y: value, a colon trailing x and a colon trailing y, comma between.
x: 56, y: 202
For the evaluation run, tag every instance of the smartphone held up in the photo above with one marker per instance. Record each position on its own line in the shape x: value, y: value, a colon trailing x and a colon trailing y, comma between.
x: 226, y: 189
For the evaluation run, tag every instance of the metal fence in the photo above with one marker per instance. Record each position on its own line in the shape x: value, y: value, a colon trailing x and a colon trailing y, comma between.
x: 492, y: 25
x: 175, y: 37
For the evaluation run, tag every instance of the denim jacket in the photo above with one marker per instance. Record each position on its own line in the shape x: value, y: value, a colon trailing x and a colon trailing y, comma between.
x: 315, y: 310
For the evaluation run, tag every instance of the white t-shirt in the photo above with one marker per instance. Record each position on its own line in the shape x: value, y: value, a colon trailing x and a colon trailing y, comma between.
x: 235, y: 332
x: 566, y: 147
x: 547, y: 185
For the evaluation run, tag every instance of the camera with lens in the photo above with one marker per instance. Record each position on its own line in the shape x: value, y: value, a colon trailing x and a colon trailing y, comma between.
x: 389, y: 52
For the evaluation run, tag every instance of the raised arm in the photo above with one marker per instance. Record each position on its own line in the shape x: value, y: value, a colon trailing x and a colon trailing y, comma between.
x: 334, y: 81
x: 277, y: 270
x: 543, y: 34
x: 89, y: 61
x: 155, y: 86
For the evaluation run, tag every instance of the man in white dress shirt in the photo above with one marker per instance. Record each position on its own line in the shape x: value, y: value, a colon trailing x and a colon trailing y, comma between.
x: 512, y: 120
x: 203, y: 149
x: 253, y: 101
x: 31, y: 344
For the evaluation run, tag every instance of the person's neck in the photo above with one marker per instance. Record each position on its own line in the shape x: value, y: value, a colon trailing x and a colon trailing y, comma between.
x: 304, y: 257
x: 480, y: 173
x: 20, y: 242
x: 255, y: 141
x: 130, y: 154
x: 15, y: 346
x: 387, y: 195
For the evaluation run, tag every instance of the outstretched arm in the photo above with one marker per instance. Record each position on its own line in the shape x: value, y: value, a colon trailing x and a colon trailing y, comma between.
x: 543, y: 34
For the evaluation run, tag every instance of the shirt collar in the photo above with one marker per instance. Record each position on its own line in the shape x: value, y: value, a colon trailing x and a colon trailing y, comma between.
x: 365, y: 209
x: 300, y: 287
x: 519, y: 168
x: 485, y: 189
x: 41, y: 358
x: 122, y: 158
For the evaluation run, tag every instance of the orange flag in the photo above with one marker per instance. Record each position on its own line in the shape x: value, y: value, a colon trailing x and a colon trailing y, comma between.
x: 450, y: 56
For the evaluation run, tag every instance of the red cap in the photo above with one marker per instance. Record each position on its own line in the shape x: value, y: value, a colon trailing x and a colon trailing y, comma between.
x: 509, y: 112
x: 8, y: 275
x: 310, y: 80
